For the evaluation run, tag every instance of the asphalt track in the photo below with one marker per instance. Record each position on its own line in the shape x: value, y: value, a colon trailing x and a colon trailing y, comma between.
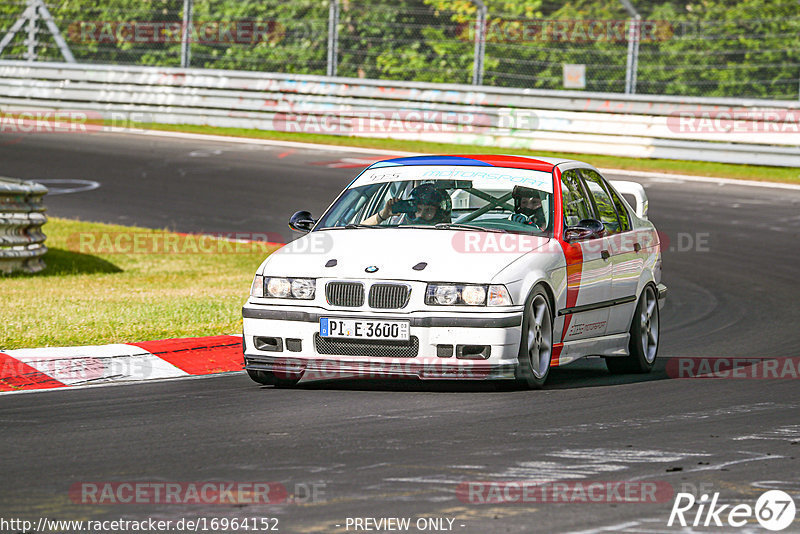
x: 400, y: 449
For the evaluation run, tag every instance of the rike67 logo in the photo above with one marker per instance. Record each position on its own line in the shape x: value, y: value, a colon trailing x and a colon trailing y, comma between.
x: 774, y: 510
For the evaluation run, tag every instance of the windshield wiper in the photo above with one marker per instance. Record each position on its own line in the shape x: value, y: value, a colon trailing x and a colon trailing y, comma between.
x: 350, y: 226
x: 458, y: 226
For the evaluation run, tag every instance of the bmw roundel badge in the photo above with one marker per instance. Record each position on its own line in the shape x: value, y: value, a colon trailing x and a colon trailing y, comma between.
x: 371, y: 269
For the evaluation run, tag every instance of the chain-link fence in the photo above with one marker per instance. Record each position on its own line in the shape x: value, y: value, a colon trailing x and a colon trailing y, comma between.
x: 710, y: 48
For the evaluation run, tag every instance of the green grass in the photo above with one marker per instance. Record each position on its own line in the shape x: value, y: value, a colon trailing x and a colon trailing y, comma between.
x: 87, y: 295
x: 697, y: 168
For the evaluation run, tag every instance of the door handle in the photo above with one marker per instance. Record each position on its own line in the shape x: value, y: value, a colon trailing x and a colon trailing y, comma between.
x: 605, y: 255
x: 637, y: 247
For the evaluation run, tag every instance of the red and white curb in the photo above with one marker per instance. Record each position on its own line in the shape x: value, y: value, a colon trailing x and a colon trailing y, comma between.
x: 58, y: 367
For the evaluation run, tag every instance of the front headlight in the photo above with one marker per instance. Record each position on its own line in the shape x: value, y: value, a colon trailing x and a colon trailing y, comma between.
x: 445, y: 295
x: 303, y: 288
x: 474, y: 295
x: 290, y: 288
x: 467, y: 295
x: 279, y: 287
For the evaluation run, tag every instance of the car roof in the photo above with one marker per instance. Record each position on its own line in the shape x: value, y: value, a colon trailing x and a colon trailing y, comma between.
x: 480, y: 160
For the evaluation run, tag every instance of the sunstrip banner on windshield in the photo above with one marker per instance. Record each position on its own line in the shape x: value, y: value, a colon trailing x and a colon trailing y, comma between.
x: 480, y: 176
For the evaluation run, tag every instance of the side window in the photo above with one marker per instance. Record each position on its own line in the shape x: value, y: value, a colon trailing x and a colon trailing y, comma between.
x: 605, y: 206
x: 575, y: 204
x: 622, y: 211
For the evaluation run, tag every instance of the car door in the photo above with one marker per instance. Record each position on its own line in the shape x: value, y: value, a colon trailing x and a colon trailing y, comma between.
x: 589, y: 271
x: 623, y: 247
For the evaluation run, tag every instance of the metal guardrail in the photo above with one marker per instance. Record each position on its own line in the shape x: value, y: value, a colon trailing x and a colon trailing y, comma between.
x: 557, y: 121
x: 21, y: 219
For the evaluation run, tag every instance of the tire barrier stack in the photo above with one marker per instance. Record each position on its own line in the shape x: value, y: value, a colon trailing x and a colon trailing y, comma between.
x: 21, y: 219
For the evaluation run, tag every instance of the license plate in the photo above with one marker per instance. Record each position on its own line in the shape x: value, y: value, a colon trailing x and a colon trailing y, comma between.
x: 364, y: 329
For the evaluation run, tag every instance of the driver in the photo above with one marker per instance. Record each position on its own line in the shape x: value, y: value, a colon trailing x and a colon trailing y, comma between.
x: 431, y: 206
x: 528, y: 207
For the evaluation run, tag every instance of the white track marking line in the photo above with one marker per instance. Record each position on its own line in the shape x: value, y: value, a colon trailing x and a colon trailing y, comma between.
x: 732, y: 462
x: 783, y: 433
x: 625, y: 455
x: 82, y: 185
x: 710, y: 467
x: 268, y: 142
x: 610, y: 528
x: 707, y: 179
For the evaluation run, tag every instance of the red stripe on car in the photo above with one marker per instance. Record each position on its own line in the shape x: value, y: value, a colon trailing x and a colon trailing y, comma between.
x: 513, y: 162
x: 573, y: 254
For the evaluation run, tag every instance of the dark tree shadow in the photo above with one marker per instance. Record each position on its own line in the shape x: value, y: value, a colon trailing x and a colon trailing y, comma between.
x: 62, y: 262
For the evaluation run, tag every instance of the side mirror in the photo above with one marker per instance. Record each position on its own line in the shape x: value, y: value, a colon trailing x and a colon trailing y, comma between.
x: 302, y: 222
x: 586, y: 229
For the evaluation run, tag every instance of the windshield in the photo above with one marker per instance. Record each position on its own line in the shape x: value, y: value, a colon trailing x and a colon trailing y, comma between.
x: 439, y: 197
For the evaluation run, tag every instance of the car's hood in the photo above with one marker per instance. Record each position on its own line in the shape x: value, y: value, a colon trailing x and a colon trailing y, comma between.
x: 449, y: 255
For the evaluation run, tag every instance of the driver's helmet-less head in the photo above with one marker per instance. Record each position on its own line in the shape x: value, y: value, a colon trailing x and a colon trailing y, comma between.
x: 426, y: 196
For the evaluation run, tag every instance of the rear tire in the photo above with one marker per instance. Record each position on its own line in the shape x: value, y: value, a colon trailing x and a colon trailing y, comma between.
x: 536, y: 343
x: 644, y: 337
x: 268, y: 378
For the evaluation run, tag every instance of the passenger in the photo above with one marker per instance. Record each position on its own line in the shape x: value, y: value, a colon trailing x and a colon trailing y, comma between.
x: 431, y: 206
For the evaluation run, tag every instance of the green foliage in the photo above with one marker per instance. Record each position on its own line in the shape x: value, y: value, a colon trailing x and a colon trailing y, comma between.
x: 716, y: 48
x: 692, y: 47
x: 295, y: 37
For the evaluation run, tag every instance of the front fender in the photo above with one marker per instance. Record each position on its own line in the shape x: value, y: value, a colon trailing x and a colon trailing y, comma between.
x: 545, y: 265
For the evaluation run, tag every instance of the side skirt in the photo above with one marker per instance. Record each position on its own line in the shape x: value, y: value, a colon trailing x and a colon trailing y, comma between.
x: 613, y: 345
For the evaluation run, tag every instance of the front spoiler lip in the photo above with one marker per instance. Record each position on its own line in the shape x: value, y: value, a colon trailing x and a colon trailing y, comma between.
x: 433, y: 369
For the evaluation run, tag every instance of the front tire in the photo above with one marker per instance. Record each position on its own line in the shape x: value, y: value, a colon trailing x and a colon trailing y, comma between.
x: 268, y: 378
x: 644, y: 337
x: 536, y: 343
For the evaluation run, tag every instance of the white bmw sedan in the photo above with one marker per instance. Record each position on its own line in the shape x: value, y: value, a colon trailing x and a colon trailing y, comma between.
x: 466, y: 267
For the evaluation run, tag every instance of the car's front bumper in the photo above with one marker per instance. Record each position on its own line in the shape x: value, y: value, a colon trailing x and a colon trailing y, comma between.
x: 498, y: 332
